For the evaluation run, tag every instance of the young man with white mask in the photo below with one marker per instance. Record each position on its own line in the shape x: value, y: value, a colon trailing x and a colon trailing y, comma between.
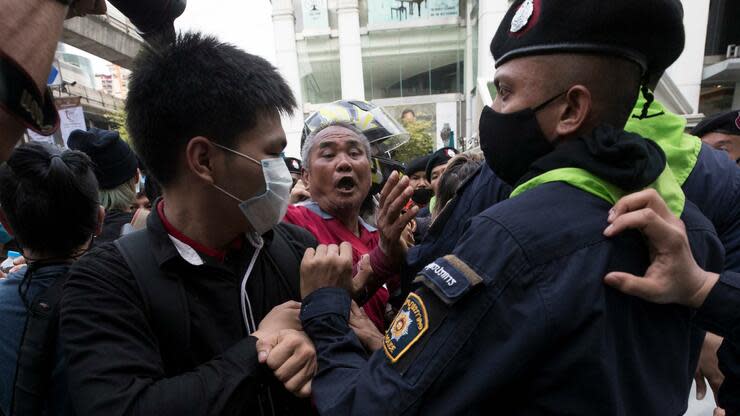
x: 170, y: 320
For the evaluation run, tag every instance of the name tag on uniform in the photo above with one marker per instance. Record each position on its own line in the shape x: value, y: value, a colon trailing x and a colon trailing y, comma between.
x: 449, y: 278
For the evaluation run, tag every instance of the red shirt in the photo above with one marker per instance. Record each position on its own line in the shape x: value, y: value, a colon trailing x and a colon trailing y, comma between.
x: 329, y: 230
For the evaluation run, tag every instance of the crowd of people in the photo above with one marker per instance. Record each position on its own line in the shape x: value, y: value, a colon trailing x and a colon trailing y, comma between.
x: 585, y: 260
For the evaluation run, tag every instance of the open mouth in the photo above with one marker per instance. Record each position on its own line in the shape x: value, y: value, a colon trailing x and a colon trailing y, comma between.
x: 346, y: 184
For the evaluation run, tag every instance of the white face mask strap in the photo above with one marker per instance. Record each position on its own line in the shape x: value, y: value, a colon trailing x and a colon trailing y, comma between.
x: 228, y: 149
x: 227, y: 193
x: 245, y: 303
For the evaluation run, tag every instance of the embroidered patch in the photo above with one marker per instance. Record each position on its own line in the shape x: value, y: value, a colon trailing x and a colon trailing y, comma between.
x: 407, y: 328
x: 449, y: 278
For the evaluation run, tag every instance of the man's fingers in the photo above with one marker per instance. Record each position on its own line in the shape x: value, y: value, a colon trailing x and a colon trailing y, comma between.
x: 354, y: 309
x: 309, y: 254
x: 321, y: 250
x: 332, y: 250
x: 305, y: 391
x: 701, y: 385
x: 303, y: 375
x: 388, y: 187
x: 632, y: 285
x: 656, y: 228
x: 264, y: 346
x: 291, y: 304
x: 719, y: 412
x: 647, y: 198
x: 407, y: 218
x: 345, y: 251
x: 401, y: 187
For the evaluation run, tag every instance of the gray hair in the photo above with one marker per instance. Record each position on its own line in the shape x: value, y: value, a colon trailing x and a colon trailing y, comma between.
x: 120, y: 198
x: 311, y: 139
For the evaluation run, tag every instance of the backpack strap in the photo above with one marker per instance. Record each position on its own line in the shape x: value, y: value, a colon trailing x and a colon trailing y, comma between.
x: 36, y: 362
x: 164, y: 300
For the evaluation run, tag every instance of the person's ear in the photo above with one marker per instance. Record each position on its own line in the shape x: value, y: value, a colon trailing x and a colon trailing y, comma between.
x: 306, y: 177
x: 6, y: 223
x: 201, y: 158
x: 575, y: 112
x: 101, y: 219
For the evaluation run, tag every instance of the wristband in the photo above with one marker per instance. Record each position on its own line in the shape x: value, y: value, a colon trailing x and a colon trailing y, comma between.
x: 20, y: 97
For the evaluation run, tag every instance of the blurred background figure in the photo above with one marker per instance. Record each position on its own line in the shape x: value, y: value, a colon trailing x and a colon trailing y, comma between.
x: 294, y: 167
x: 458, y: 170
x: 721, y: 131
x: 116, y: 168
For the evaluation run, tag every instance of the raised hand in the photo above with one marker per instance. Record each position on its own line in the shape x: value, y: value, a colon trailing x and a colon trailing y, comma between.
x: 673, y: 275
x: 391, y: 222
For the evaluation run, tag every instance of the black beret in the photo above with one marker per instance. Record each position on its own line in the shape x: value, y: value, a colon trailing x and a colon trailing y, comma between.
x: 728, y: 123
x: 294, y: 165
x: 648, y: 32
x: 417, y: 165
x: 440, y: 157
x: 115, y: 162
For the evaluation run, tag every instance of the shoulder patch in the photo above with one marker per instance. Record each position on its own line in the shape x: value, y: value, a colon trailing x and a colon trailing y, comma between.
x: 407, y: 327
x: 449, y: 278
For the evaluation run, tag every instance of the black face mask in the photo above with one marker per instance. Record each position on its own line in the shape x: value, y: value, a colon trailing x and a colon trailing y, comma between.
x: 422, y: 196
x: 511, y: 142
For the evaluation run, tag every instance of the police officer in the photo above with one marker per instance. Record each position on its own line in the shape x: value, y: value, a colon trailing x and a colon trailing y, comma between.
x: 721, y: 131
x: 516, y: 319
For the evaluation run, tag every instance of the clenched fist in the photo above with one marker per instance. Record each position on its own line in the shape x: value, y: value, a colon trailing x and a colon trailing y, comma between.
x: 326, y: 266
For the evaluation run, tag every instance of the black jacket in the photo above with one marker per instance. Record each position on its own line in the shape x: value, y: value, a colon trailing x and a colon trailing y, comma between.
x: 112, y: 225
x: 116, y: 365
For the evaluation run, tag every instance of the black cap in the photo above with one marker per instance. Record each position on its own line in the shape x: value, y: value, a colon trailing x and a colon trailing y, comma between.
x: 417, y: 165
x: 115, y: 162
x: 727, y: 123
x: 440, y: 157
x: 294, y: 165
x: 647, y: 32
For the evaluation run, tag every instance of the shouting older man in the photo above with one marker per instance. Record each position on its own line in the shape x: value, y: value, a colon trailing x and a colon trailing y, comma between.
x: 337, y: 170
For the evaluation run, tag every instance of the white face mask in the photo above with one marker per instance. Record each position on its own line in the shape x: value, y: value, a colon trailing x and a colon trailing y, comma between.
x: 266, y: 210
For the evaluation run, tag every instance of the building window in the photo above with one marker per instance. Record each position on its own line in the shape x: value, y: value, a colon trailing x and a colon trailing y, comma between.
x: 412, y: 62
x: 318, y: 64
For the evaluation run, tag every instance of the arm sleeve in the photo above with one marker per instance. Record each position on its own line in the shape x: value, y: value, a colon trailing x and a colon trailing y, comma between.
x: 473, y: 331
x: 114, y: 364
x: 720, y: 312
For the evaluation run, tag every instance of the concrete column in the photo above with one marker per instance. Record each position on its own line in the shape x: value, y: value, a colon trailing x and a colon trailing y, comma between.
x: 686, y: 72
x: 469, y: 83
x: 736, y: 96
x: 490, y: 15
x: 350, y: 50
x: 283, y: 22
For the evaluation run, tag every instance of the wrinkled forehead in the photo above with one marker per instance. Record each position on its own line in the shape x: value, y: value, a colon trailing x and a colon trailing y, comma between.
x: 337, y: 136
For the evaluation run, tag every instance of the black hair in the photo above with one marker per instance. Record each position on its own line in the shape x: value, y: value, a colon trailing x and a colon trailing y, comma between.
x: 406, y: 111
x: 198, y: 86
x: 50, y: 198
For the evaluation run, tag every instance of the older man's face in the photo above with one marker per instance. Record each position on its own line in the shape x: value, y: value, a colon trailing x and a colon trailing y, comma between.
x: 338, y: 173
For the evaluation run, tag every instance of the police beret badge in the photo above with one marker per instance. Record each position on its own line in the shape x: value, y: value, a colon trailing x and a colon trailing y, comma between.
x: 522, y: 16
